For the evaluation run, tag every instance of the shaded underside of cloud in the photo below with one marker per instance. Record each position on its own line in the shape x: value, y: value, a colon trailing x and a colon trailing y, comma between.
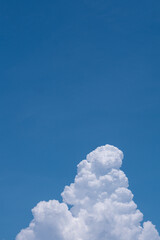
x: 102, y: 206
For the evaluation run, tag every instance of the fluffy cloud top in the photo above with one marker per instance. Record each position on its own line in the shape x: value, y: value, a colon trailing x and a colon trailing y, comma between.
x: 101, y: 205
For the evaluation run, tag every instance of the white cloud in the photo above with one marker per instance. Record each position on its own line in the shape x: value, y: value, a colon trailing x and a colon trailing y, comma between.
x: 102, y: 205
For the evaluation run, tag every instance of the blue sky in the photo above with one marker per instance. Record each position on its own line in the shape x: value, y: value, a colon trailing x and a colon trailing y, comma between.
x: 75, y: 75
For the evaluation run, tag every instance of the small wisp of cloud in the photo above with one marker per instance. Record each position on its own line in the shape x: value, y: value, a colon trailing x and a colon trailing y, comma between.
x: 102, y: 205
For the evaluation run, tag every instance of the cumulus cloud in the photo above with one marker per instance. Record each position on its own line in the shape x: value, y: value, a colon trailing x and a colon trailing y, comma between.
x: 101, y: 206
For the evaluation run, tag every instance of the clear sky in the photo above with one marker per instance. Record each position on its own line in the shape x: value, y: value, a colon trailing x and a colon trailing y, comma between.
x: 75, y: 75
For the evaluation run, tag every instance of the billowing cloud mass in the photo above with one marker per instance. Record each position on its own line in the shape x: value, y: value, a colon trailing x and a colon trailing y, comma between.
x: 101, y: 206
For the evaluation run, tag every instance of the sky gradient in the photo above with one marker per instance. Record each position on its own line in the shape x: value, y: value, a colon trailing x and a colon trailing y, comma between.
x: 74, y: 76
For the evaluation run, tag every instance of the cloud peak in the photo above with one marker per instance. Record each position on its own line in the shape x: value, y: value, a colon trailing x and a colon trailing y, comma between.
x: 102, y: 206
